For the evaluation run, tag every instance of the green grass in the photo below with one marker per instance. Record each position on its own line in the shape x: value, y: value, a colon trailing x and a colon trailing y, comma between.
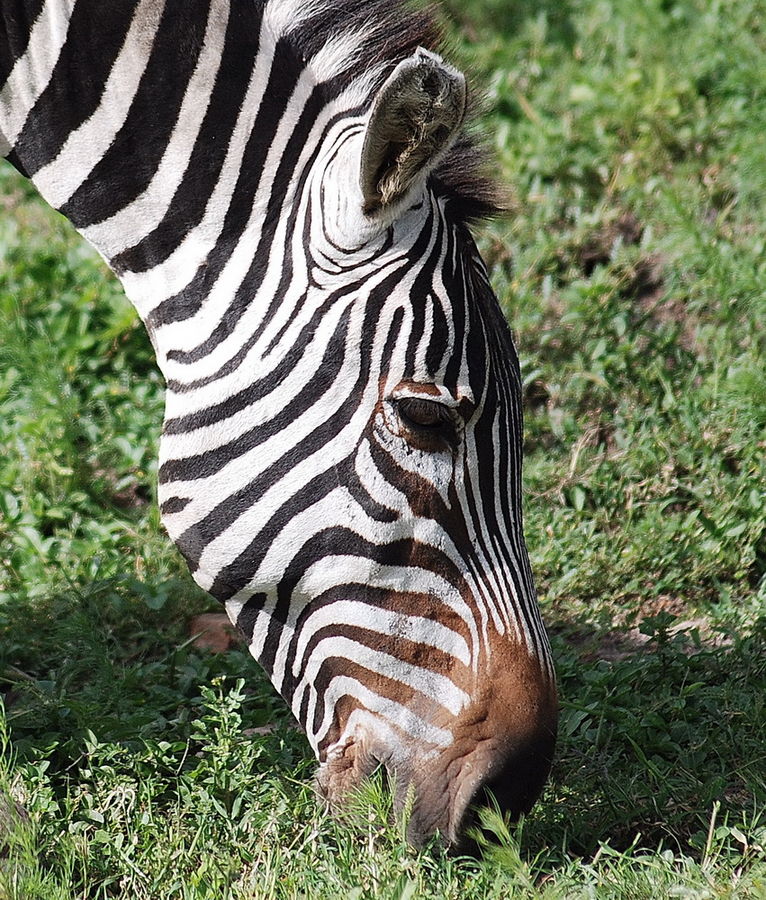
x: 633, y: 270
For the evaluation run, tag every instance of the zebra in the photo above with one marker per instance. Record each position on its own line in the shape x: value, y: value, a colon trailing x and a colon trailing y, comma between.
x: 284, y: 189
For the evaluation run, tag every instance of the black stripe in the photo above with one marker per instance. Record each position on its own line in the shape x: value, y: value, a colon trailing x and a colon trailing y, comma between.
x: 174, y: 505
x: 16, y: 21
x: 187, y: 209
x: 391, y: 338
x: 129, y: 165
x: 96, y: 32
x: 204, y: 465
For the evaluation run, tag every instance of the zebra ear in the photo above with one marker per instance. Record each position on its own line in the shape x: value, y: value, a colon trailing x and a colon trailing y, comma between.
x: 413, y: 121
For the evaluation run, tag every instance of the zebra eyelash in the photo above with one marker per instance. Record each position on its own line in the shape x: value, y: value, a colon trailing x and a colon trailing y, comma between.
x: 428, y: 424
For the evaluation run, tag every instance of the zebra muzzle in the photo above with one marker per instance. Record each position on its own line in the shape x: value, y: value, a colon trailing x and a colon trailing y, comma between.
x: 499, y: 754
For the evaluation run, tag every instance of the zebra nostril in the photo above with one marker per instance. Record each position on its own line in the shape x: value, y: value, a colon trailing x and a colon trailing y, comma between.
x: 513, y: 788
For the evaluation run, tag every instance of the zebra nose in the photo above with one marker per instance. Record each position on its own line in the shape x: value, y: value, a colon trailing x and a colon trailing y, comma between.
x: 509, y: 781
x: 512, y: 788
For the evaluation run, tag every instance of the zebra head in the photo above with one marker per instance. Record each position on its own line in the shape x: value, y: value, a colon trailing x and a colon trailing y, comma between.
x: 373, y: 552
x: 278, y: 185
x: 281, y: 187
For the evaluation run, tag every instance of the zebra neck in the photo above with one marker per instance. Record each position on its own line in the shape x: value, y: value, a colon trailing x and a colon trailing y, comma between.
x: 173, y: 136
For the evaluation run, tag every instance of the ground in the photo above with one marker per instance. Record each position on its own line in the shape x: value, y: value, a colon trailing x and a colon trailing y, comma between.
x: 632, y: 267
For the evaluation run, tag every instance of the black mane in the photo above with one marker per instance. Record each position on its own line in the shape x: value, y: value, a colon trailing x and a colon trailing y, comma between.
x: 395, y: 29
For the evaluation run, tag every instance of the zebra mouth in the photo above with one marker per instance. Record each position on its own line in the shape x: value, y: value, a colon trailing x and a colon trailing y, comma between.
x: 440, y: 793
x: 344, y: 770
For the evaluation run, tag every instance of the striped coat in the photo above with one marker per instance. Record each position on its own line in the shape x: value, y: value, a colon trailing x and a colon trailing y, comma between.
x: 284, y: 191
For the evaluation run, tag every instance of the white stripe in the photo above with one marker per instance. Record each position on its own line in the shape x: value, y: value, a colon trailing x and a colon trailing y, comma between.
x: 395, y: 713
x: 284, y: 16
x: 85, y: 146
x: 337, y: 55
x: 131, y: 224
x: 384, y: 621
x: 32, y: 71
x: 436, y: 687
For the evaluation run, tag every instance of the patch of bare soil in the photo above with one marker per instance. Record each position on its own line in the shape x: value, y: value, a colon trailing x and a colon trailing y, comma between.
x: 644, y: 281
x: 125, y: 496
x: 213, y: 631
x: 597, y: 249
x: 625, y: 639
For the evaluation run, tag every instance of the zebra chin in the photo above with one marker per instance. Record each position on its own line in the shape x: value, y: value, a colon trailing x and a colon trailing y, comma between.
x: 499, y: 755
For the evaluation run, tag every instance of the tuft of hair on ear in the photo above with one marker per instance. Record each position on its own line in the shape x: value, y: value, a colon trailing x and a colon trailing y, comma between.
x: 390, y: 31
x: 466, y: 176
x: 463, y: 177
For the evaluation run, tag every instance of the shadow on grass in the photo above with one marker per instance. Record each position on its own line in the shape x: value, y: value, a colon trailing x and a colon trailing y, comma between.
x: 655, y: 744
x: 115, y: 660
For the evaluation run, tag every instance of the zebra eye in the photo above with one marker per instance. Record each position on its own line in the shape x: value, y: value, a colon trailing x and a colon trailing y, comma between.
x: 428, y: 421
x: 423, y: 413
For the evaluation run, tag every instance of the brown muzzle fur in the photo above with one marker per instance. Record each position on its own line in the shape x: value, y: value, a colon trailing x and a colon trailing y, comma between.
x: 502, y: 747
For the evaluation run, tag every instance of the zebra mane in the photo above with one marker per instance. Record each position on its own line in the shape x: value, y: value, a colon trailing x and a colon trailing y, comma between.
x: 361, y: 41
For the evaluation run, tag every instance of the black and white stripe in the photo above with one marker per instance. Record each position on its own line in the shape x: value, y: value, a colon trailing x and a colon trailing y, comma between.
x: 211, y: 152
